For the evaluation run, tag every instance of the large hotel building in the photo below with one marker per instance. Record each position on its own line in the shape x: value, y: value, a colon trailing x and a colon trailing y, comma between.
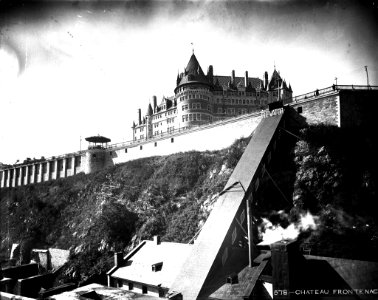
x: 201, y: 99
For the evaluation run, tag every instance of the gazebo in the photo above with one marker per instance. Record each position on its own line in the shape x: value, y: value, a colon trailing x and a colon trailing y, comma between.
x: 97, y: 142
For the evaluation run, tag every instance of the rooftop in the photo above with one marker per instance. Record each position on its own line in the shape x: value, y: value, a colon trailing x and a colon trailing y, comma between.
x: 105, y: 293
x: 139, y: 267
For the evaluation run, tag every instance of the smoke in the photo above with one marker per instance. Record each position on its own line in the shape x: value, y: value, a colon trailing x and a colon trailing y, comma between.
x: 270, y: 233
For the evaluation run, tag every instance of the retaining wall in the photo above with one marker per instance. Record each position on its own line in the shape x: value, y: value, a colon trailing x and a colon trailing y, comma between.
x: 211, y: 137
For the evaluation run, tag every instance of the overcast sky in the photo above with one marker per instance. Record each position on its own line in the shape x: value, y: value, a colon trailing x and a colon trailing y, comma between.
x: 84, y: 68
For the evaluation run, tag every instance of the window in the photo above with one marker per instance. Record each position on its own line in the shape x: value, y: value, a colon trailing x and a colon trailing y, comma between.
x: 125, y: 150
x: 140, y: 147
x: 155, y: 144
x: 157, y: 267
x: 144, y: 289
x: 299, y: 109
x: 172, y: 140
x: 131, y: 286
x: 120, y: 283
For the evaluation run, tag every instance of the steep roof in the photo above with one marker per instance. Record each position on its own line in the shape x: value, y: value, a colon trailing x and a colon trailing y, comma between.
x: 193, y: 66
x: 139, y: 267
x: 192, y: 73
x: 275, y: 80
x: 239, y: 81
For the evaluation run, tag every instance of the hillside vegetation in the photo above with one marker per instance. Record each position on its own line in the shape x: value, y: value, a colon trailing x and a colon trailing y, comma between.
x: 327, y: 171
x: 336, y: 180
x: 96, y: 214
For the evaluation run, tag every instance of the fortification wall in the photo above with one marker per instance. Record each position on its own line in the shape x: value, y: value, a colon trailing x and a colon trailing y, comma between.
x: 320, y: 110
x: 43, y: 170
x: 97, y: 159
x: 212, y: 137
x: 340, y: 106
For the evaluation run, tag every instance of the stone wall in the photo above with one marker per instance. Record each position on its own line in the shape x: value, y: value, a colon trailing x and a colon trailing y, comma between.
x: 97, y: 159
x: 320, y: 110
x: 212, y: 137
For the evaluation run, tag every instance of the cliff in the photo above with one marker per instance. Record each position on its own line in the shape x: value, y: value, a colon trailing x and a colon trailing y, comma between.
x: 326, y: 171
x: 113, y: 209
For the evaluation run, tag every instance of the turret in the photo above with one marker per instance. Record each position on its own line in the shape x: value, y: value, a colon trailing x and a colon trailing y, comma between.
x: 178, y: 79
x: 149, y: 110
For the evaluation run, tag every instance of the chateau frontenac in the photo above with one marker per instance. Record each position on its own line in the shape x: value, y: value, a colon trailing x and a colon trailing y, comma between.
x: 201, y: 99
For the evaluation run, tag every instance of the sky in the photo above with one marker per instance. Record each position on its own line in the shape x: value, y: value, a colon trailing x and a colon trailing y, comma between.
x: 69, y: 70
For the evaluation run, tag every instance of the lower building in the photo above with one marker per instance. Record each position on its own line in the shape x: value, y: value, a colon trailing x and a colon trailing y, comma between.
x: 150, y: 268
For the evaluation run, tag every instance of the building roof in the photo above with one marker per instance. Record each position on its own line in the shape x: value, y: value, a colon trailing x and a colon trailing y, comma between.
x: 106, y: 293
x: 236, y: 266
x: 274, y: 81
x: 193, y: 66
x: 192, y: 73
x: 98, y: 139
x: 239, y: 81
x: 139, y: 267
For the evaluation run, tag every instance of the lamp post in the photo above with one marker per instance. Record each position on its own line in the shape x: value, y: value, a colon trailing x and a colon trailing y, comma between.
x: 367, y: 75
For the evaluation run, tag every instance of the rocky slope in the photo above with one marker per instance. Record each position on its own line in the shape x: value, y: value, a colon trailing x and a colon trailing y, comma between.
x: 93, y: 215
x: 326, y: 171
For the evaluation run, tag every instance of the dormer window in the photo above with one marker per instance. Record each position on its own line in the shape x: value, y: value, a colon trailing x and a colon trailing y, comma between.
x: 157, y: 267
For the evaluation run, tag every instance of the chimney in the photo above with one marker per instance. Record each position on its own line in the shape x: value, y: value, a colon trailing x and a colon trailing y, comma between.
x: 266, y: 80
x: 139, y: 116
x: 118, y: 259
x: 233, y: 77
x: 246, y: 79
x: 286, y: 262
x: 154, y: 101
x: 210, y: 74
x: 156, y: 239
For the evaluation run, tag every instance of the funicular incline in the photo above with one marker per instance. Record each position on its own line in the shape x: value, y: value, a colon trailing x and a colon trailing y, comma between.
x: 215, y: 242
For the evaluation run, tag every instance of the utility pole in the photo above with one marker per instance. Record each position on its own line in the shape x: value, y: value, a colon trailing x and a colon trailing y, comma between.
x: 367, y: 75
